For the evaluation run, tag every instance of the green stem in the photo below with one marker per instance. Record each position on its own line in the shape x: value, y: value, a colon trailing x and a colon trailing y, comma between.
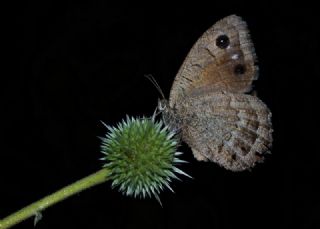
x: 37, y: 207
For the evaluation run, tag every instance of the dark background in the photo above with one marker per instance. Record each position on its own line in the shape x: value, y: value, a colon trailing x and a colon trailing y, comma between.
x: 71, y: 65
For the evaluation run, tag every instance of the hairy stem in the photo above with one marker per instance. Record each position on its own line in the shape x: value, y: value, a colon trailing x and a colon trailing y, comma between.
x: 37, y: 207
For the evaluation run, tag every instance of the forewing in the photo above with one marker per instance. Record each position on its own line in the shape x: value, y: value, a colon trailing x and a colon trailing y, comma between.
x: 223, y: 59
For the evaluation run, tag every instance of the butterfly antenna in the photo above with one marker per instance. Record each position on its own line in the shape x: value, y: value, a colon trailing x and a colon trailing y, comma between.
x: 154, y: 82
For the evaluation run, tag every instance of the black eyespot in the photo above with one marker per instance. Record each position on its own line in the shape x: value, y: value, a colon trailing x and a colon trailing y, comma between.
x: 243, y: 148
x: 239, y: 69
x: 222, y: 41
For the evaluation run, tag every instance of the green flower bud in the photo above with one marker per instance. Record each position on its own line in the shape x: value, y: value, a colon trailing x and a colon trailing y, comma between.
x: 141, y: 154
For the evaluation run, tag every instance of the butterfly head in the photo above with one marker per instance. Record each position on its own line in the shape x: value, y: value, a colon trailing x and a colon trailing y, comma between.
x: 163, y: 105
x: 169, y: 115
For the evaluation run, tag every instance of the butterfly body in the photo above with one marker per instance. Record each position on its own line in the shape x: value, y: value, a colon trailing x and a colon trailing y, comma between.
x: 208, y: 104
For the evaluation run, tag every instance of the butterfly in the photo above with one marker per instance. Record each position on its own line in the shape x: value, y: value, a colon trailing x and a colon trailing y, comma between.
x: 210, y: 103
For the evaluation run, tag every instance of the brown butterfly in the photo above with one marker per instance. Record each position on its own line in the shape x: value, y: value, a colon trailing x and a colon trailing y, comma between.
x: 208, y: 103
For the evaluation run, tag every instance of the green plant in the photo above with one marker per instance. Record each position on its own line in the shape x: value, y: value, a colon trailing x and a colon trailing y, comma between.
x: 140, y: 156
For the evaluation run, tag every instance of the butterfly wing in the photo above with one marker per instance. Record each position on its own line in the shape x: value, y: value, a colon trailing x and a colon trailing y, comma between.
x: 233, y: 130
x: 223, y: 59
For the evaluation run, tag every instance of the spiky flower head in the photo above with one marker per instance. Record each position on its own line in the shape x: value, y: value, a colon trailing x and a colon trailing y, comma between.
x: 141, y: 154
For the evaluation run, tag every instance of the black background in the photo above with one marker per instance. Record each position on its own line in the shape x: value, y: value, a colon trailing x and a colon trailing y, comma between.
x: 71, y: 65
